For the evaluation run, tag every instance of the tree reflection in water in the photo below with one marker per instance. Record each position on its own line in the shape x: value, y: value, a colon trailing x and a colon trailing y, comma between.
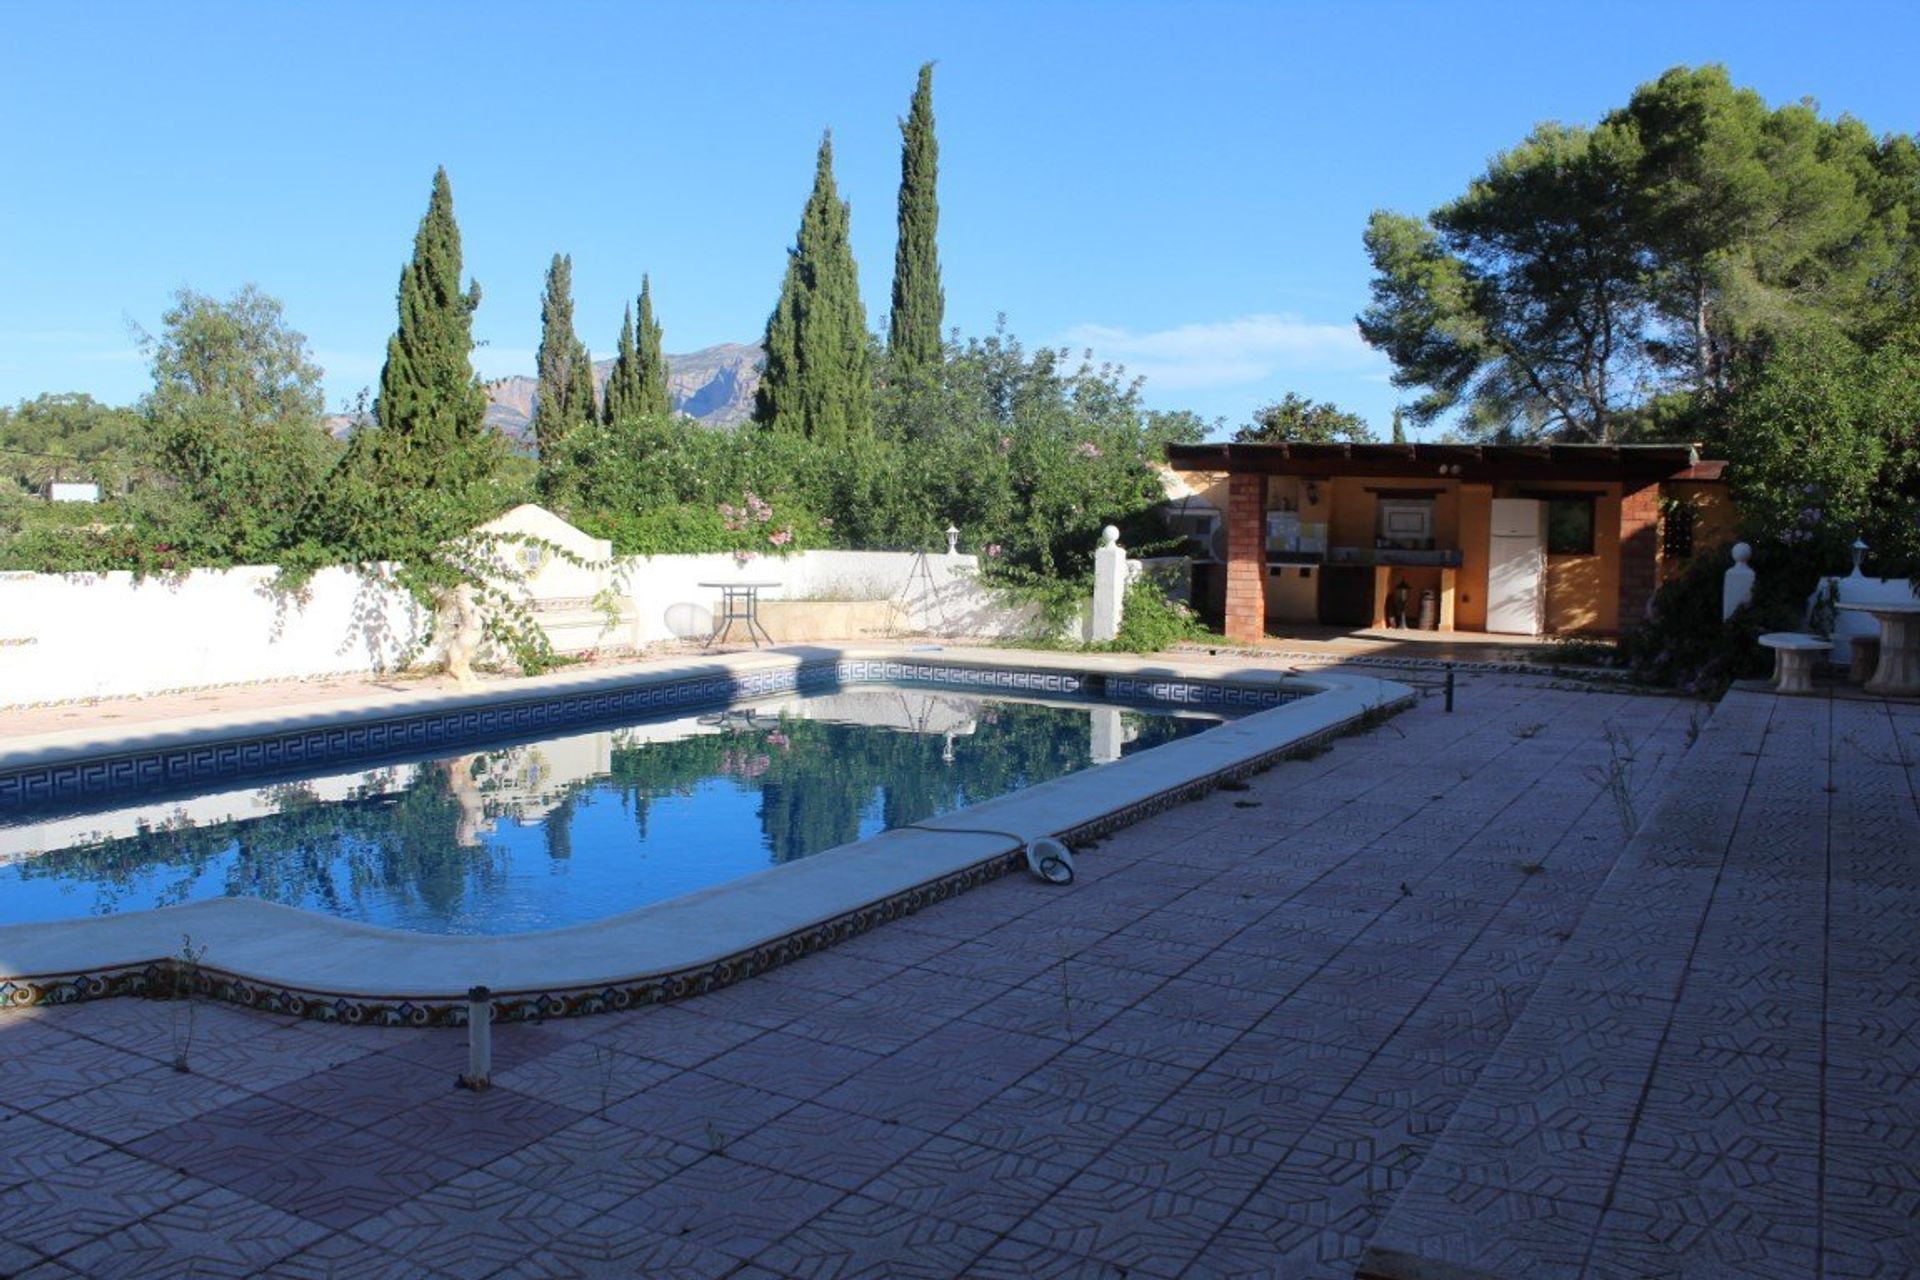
x: 429, y: 848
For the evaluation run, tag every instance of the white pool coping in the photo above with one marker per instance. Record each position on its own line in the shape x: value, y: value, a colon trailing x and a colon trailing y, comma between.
x: 281, y: 949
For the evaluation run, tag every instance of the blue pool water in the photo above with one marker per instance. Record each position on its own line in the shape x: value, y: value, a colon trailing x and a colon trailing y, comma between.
x: 573, y: 828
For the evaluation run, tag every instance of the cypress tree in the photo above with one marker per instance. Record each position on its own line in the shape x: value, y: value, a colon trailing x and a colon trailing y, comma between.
x: 623, y: 393
x: 1399, y: 429
x: 564, y: 398
x: 919, y: 303
x: 651, y: 396
x: 431, y: 409
x: 817, y: 379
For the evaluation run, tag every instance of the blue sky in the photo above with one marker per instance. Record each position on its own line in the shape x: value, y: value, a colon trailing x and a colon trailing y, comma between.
x: 1180, y: 187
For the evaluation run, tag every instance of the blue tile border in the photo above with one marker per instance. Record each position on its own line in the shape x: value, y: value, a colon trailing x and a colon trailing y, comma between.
x: 165, y: 978
x: 73, y: 781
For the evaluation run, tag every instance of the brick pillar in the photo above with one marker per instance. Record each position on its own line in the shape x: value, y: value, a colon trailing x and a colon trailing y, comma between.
x: 1639, y: 552
x: 1246, y: 557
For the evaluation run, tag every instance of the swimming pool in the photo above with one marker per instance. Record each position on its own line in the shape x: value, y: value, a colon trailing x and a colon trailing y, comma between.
x: 568, y: 829
x: 270, y: 956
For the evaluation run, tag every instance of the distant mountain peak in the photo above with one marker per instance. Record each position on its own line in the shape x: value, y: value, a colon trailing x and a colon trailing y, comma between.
x: 714, y: 385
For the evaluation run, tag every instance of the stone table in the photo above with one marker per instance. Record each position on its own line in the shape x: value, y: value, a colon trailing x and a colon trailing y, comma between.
x: 1793, y: 656
x: 1898, y: 674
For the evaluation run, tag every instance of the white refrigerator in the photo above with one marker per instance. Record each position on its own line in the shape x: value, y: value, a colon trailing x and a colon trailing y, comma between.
x: 1517, y: 568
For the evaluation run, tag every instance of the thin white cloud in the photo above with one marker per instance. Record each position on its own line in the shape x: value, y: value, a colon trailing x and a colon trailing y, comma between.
x: 1230, y: 353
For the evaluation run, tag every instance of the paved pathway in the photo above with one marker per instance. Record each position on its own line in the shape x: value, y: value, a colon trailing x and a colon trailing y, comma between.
x: 1721, y: 1074
x: 1222, y: 1052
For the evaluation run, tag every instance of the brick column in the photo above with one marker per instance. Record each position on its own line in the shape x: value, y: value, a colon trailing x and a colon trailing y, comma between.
x: 1639, y: 552
x: 1246, y: 557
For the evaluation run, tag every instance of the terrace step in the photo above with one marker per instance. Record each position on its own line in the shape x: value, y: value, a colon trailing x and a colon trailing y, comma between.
x: 1658, y: 1104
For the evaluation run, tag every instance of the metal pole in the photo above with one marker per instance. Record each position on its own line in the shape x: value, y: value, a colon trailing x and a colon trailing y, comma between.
x: 1449, y: 688
x: 479, y: 1039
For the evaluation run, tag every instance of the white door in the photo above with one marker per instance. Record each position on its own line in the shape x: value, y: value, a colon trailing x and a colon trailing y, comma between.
x: 1517, y: 567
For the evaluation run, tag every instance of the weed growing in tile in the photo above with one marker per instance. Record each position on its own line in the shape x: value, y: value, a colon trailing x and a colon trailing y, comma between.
x: 186, y: 977
x: 1616, y: 775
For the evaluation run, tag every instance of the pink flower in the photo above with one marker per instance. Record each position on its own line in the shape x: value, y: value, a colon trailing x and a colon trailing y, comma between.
x: 779, y: 739
x: 1088, y: 449
x: 782, y: 537
x: 993, y: 550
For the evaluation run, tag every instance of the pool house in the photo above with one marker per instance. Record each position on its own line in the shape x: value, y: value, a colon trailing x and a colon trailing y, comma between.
x: 1525, y: 540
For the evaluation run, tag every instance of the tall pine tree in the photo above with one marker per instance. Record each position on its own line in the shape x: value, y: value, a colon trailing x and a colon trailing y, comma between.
x: 623, y: 390
x: 919, y: 303
x: 564, y: 397
x: 431, y: 410
x: 817, y: 380
x: 651, y: 393
x: 1399, y: 428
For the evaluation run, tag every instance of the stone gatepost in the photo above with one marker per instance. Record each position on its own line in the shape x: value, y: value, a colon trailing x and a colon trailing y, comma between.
x: 1109, y: 586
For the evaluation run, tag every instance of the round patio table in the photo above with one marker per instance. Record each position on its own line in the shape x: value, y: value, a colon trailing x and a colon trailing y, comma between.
x: 739, y: 602
x: 1898, y: 673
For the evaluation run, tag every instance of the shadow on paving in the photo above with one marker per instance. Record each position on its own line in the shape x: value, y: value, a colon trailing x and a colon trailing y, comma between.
x: 1223, y: 1051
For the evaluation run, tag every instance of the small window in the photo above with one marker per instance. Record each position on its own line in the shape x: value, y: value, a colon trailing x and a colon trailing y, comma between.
x: 1570, y: 526
x: 1676, y: 529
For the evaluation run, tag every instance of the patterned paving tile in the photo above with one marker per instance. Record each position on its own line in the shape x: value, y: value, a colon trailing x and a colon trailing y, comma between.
x: 609, y: 1247
x: 673, y: 1034
x: 338, y: 1257
x: 33, y: 1149
x: 730, y: 1206
x: 596, y: 1163
x: 214, y: 1234
x: 231, y: 1145
x: 1013, y: 1259
x: 788, y: 1064
x: 475, y: 1225
x: 1483, y: 1231
x: 965, y: 1182
x: 477, y: 1128
x: 367, y: 1090
x: 585, y: 1076
x: 830, y: 1147
x: 1223, y: 1167
x: 137, y: 1104
x: 40, y: 1064
x: 861, y: 1237
x: 85, y: 1201
x: 1141, y: 1229
x: 343, y: 1182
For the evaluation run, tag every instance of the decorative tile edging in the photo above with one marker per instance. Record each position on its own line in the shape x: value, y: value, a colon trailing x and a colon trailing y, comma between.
x: 371, y: 739
x: 163, y: 978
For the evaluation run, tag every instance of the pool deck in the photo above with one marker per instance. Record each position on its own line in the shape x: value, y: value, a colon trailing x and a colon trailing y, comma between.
x: 266, y: 955
x: 1417, y: 1004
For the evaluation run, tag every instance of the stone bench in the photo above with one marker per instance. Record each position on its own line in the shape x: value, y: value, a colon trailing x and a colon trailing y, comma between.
x: 1793, y: 656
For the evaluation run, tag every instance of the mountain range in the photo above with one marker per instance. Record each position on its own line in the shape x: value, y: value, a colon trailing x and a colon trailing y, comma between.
x: 714, y: 385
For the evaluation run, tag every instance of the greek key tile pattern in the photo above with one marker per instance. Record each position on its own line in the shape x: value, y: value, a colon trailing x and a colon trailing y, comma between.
x: 373, y: 739
x: 303, y: 749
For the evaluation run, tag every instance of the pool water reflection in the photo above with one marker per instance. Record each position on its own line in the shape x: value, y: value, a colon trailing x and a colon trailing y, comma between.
x: 574, y: 828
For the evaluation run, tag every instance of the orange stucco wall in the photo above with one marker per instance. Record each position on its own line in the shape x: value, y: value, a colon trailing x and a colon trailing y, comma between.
x: 1582, y: 591
x: 1475, y: 515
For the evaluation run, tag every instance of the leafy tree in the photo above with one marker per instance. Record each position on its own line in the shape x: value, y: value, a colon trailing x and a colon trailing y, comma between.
x: 431, y: 435
x: 235, y: 423
x: 914, y: 339
x: 818, y: 380
x: 652, y: 393
x: 1591, y: 272
x: 564, y: 397
x: 1298, y: 420
x: 69, y: 437
x: 1827, y: 438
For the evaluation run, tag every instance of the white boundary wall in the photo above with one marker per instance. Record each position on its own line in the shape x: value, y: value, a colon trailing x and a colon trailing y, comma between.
x: 65, y: 637
x: 101, y: 635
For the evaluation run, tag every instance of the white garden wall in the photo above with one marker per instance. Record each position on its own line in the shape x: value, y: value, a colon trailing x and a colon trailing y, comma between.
x: 102, y: 635
x: 65, y: 637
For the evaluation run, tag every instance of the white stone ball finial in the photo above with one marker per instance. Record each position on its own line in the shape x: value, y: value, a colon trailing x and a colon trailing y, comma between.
x: 1109, y: 537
